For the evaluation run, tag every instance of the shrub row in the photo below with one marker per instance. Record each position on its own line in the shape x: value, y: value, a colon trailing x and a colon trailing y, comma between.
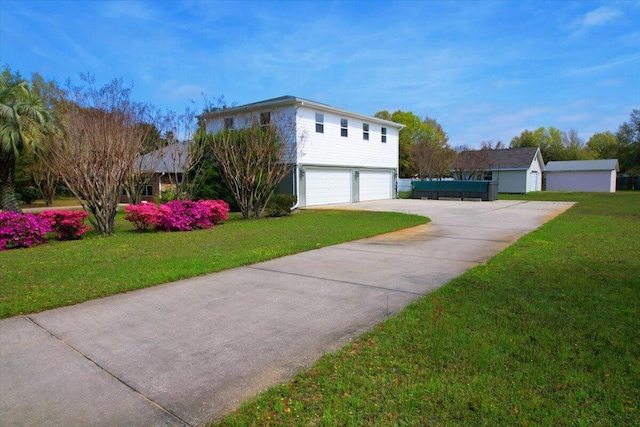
x: 25, y: 230
x: 177, y: 215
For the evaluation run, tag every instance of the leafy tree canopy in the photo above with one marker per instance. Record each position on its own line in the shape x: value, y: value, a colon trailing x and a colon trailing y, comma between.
x: 415, y: 130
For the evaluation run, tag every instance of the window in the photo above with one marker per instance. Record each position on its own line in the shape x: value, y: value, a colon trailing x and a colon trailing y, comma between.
x: 344, y: 127
x: 488, y: 176
x: 228, y: 123
x: 265, y: 119
x: 147, y: 191
x: 383, y: 131
x: 365, y: 131
x: 319, y: 122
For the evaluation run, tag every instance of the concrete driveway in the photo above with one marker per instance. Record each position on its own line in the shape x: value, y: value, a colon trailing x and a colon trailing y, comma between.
x: 186, y: 353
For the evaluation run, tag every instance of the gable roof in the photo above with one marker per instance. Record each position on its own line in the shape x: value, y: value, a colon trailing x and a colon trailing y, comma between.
x: 293, y: 100
x: 510, y: 158
x: 169, y: 159
x: 582, y: 165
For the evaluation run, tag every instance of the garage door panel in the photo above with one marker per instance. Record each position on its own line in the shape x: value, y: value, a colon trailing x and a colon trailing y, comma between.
x: 325, y: 187
x: 375, y: 185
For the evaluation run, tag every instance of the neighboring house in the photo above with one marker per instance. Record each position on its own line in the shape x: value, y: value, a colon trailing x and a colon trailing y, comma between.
x: 582, y: 175
x: 516, y: 170
x: 341, y: 156
x: 161, y: 168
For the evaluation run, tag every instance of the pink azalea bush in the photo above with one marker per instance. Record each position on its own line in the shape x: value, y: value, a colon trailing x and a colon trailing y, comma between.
x: 22, y: 230
x: 218, y: 209
x: 144, y: 216
x: 69, y: 225
x: 184, y: 215
x: 177, y: 215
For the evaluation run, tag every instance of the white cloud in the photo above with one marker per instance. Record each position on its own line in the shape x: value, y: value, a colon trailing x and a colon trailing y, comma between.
x: 596, y: 18
x: 602, y: 15
x: 601, y: 67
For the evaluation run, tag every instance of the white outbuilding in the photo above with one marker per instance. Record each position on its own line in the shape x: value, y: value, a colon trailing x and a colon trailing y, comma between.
x: 582, y: 175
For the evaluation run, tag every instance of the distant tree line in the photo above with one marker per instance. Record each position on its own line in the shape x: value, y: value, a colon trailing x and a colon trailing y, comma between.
x: 425, y: 151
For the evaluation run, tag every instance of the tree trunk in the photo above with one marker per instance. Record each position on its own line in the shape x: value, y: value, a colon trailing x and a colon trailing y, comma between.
x: 7, y: 186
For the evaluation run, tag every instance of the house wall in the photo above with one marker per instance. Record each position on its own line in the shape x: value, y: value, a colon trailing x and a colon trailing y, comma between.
x: 511, y: 181
x: 590, y: 181
x: 284, y: 116
x: 331, y: 149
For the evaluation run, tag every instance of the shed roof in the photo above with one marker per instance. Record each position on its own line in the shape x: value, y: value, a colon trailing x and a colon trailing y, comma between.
x: 582, y: 165
x: 510, y: 158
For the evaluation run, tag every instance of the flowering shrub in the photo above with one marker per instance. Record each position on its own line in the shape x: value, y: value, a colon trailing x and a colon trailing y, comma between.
x: 143, y: 216
x: 177, y: 215
x: 184, y: 215
x: 68, y: 224
x: 218, y: 209
x: 21, y: 230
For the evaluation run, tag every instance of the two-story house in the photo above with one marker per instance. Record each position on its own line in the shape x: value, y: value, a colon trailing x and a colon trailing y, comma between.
x: 340, y: 156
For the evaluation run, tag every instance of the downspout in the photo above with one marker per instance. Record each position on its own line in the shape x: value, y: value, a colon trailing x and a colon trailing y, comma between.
x: 296, y: 181
x: 296, y: 188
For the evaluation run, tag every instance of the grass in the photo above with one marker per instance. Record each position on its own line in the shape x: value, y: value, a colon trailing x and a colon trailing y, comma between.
x: 63, y: 273
x: 57, y: 202
x: 546, y: 333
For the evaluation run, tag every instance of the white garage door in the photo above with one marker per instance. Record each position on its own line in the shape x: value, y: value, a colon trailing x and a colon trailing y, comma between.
x: 375, y: 185
x: 327, y: 186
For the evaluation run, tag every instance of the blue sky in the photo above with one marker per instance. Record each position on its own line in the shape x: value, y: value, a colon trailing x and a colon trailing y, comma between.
x: 486, y: 70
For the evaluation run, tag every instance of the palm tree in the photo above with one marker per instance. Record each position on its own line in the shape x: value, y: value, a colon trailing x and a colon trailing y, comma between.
x: 22, y: 120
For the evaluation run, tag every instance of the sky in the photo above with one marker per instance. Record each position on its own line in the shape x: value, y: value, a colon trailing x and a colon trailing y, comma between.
x: 485, y: 70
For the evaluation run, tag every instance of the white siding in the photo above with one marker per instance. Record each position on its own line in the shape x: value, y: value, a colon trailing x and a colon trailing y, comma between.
x: 331, y: 149
x: 375, y: 185
x: 591, y: 181
x: 285, y: 116
x: 327, y: 186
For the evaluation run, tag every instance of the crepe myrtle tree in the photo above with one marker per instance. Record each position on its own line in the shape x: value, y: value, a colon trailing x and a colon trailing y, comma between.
x: 99, y: 139
x: 255, y: 158
x: 183, y: 158
x: 139, y: 175
x: 470, y: 165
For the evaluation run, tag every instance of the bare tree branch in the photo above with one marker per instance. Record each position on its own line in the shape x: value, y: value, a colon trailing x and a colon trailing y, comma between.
x: 96, y: 149
x: 255, y: 158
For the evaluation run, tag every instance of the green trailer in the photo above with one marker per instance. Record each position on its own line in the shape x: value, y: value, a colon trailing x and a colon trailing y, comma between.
x: 464, y: 190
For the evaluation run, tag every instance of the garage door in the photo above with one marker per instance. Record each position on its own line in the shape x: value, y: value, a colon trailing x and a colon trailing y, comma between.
x: 327, y: 186
x: 375, y: 185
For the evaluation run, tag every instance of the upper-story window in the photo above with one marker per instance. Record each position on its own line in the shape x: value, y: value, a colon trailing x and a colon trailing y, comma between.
x: 319, y: 122
x: 383, y: 132
x: 344, y: 127
x: 265, y: 119
x: 228, y: 123
x: 365, y: 131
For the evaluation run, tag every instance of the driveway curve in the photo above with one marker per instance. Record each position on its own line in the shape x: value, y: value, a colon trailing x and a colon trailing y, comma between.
x: 186, y: 353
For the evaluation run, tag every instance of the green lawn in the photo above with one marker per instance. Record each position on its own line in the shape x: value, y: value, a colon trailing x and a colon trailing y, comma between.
x: 64, y: 273
x: 547, y: 333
